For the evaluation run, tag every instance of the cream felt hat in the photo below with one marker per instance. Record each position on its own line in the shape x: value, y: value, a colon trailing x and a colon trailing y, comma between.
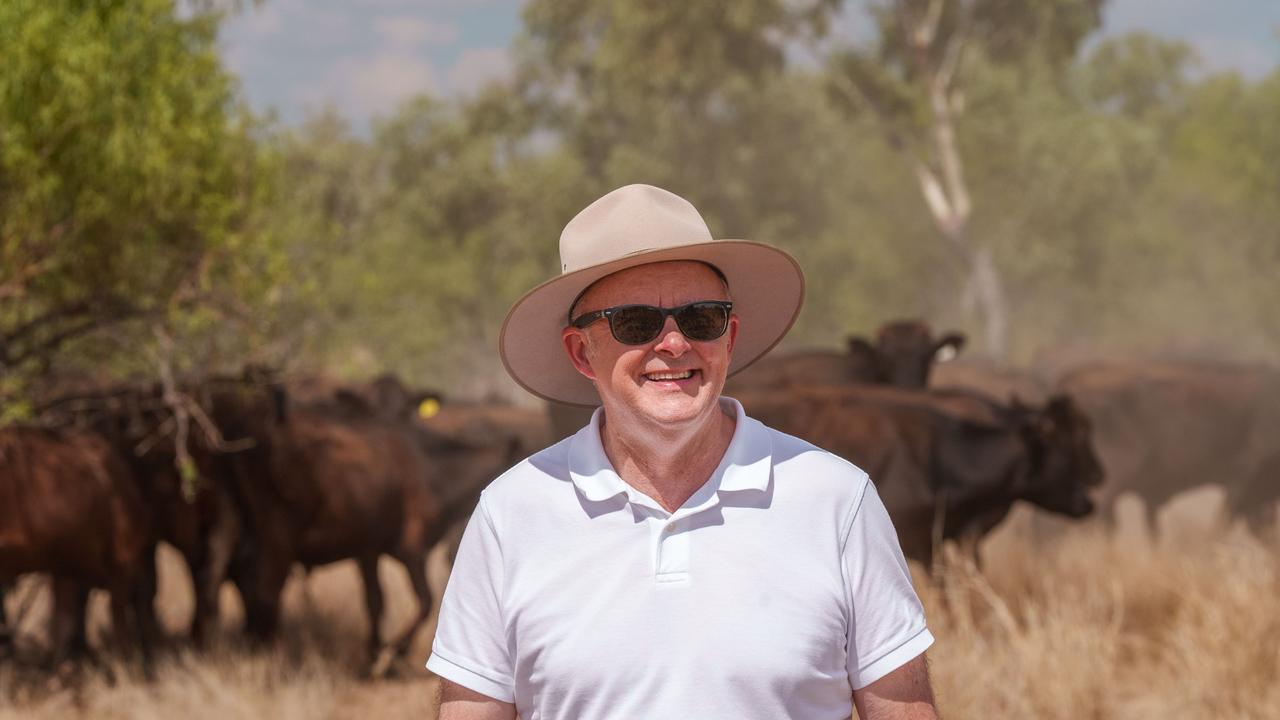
x: 636, y: 225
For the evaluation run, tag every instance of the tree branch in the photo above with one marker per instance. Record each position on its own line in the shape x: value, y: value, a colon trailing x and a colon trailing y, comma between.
x: 955, y: 47
x: 16, y: 286
x: 927, y: 30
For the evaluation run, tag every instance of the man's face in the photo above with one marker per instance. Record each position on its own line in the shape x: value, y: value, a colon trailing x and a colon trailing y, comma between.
x: 636, y: 382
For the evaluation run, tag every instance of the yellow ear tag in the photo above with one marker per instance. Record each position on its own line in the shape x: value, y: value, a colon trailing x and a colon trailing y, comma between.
x: 428, y: 408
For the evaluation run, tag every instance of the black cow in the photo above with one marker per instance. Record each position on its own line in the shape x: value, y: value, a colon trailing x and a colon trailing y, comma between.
x: 948, y: 468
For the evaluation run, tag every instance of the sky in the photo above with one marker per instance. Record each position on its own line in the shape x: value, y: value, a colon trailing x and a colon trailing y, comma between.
x: 364, y: 57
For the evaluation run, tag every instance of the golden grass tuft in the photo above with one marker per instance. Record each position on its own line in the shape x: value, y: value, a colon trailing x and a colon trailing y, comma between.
x: 1082, y: 624
x: 1095, y: 625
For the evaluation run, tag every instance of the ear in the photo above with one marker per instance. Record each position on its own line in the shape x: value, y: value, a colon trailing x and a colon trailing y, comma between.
x: 575, y: 344
x: 351, y: 404
x: 1018, y: 406
x: 1036, y: 420
x: 1060, y: 406
x: 392, y: 398
x: 859, y: 345
x: 733, y: 332
x: 948, y: 347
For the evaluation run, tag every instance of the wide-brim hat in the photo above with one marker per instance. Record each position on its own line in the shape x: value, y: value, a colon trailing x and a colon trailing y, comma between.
x: 637, y: 225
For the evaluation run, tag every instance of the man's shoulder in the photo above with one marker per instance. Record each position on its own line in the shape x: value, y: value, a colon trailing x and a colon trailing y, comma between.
x: 532, y: 477
x: 799, y: 462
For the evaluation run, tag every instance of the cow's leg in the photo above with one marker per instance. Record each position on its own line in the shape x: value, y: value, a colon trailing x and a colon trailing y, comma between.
x: 1152, y: 516
x: 68, y: 635
x: 198, y: 565
x: 124, y: 627
x: 416, y: 564
x: 213, y: 569
x: 1107, y: 513
x: 6, y: 632
x: 261, y: 577
x: 1259, y: 517
x: 141, y: 607
x: 373, y: 604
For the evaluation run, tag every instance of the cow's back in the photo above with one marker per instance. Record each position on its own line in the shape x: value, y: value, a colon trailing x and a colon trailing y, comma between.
x: 1163, y: 428
x: 805, y: 367
x: 68, y: 505
x: 892, y: 442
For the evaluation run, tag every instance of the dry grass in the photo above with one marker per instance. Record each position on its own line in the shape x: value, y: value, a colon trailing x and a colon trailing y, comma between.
x: 1083, y: 624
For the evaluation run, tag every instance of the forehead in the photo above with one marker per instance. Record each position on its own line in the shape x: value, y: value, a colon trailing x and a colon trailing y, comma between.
x: 666, y: 284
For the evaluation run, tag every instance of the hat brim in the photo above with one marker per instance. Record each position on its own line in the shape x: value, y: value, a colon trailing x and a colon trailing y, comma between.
x: 765, y: 283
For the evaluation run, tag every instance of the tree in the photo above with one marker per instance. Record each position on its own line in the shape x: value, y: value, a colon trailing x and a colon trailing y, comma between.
x: 128, y: 180
x: 913, y: 82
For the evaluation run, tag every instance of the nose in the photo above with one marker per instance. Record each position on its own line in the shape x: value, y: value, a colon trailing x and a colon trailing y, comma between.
x: 671, y: 341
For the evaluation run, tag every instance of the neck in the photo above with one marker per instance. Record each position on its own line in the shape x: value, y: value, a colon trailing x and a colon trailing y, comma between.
x: 668, y: 463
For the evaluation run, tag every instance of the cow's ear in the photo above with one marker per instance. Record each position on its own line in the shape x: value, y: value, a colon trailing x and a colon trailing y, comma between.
x: 1060, y: 406
x: 1039, y: 421
x: 948, y: 347
x: 859, y: 345
x: 350, y: 403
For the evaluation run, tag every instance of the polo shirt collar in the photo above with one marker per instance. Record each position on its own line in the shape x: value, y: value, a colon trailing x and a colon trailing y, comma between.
x: 746, y: 464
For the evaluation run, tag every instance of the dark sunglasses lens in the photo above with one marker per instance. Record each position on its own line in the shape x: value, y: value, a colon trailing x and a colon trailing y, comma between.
x: 703, y: 321
x: 635, y: 325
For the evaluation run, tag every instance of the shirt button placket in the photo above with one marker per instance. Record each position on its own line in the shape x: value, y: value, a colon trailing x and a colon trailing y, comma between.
x: 672, y: 553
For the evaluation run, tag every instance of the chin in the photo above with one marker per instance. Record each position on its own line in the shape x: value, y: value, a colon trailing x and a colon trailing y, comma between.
x: 675, y: 409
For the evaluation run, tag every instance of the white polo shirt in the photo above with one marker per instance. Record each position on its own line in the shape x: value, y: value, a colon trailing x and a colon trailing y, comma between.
x: 773, y: 592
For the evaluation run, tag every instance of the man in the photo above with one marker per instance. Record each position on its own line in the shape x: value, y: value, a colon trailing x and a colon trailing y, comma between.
x: 674, y: 558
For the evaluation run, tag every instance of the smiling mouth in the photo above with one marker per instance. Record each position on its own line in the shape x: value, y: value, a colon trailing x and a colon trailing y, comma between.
x: 661, y: 376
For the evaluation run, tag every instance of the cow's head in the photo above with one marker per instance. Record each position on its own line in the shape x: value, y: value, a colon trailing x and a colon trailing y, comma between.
x: 393, y: 401
x: 386, y: 398
x: 905, y: 351
x: 1063, y: 464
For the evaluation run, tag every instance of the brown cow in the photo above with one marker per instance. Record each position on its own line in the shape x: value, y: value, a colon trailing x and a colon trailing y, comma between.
x: 342, y: 483
x: 69, y: 507
x: 996, y: 381
x: 198, y: 515
x: 1167, y: 427
x: 527, y: 429
x: 903, y: 354
x: 947, y: 468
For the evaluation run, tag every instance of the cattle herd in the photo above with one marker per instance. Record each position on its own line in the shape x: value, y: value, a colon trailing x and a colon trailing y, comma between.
x: 249, y: 476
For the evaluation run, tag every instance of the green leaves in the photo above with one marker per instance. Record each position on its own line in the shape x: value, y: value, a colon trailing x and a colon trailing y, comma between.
x: 125, y: 176
x: 1124, y: 199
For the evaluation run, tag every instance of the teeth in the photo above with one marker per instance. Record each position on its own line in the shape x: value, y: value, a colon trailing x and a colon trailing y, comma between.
x: 670, y: 375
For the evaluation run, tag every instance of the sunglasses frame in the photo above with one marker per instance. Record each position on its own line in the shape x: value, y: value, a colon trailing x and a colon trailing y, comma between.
x: 586, y: 319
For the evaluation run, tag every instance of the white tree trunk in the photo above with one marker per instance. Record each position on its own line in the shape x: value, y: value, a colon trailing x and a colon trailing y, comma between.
x: 989, y: 291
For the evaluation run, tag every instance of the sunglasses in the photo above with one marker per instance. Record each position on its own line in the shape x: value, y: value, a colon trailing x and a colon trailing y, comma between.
x: 639, y: 324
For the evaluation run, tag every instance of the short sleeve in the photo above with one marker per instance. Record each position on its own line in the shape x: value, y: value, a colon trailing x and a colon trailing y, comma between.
x: 887, y: 624
x: 470, y: 646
